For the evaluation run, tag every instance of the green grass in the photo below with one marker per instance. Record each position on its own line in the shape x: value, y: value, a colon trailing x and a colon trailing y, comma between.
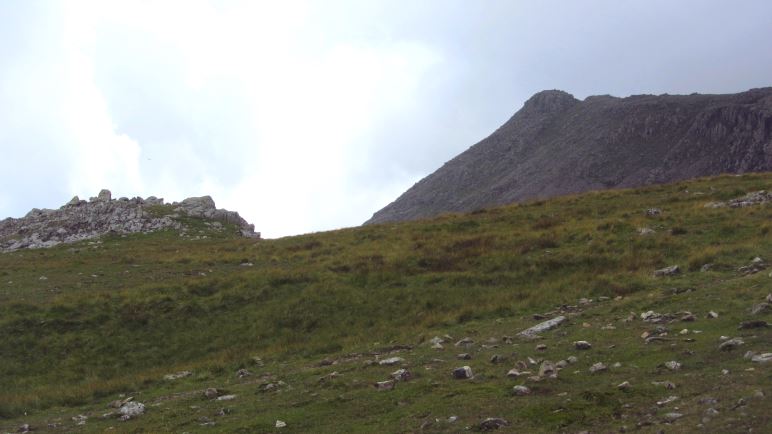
x: 113, y: 317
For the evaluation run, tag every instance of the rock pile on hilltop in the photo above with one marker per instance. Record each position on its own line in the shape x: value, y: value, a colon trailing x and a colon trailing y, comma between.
x: 80, y: 220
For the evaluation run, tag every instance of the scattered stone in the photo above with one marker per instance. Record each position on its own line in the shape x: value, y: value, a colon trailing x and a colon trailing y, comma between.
x: 624, y: 385
x: 521, y: 390
x: 582, y: 345
x: 673, y: 365
x: 80, y: 419
x: 391, y: 361
x: 671, y: 417
x: 401, y: 375
x: 131, y: 410
x: 462, y: 373
x: 616, y: 365
x: 280, y: 424
x: 541, y: 347
x: 226, y: 398
x: 437, y: 346
x: 688, y: 317
x: 706, y: 268
x: 177, y: 375
x: 712, y: 315
x: 464, y: 356
x: 241, y: 373
x: 761, y: 308
x: 762, y: 358
x: 667, y: 400
x: 756, y: 265
x: 118, y: 403
x: 753, y: 324
x: 385, y: 385
x: 211, y: 393
x: 542, y: 327
x: 708, y: 401
x: 572, y: 359
x: 496, y: 359
x: 514, y: 373
x: 465, y: 342
x: 25, y: 428
x: 493, y: 423
x: 731, y: 344
x: 561, y: 364
x: 645, y: 231
x: 653, y: 212
x: 436, y: 340
x: 598, y: 367
x: 667, y: 271
x: 548, y: 370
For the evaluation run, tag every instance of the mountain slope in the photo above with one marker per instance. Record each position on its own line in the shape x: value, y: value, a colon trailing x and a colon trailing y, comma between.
x: 300, y: 329
x: 558, y: 145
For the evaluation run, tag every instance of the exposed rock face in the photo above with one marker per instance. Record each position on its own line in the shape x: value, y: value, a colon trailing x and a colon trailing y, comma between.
x: 559, y: 145
x: 80, y: 220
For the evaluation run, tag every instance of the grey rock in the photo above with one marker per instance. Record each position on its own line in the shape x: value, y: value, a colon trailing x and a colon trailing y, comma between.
x: 521, y: 390
x: 548, y: 370
x: 493, y: 423
x: 211, y: 393
x: 667, y: 271
x: 673, y: 365
x: 131, y: 410
x: 761, y: 308
x: 598, y: 367
x: 462, y: 373
x: 385, y: 385
x: 391, y: 361
x: 104, y: 196
x: 542, y: 327
x: 762, y: 358
x: 401, y: 375
x: 582, y: 345
x: 465, y: 342
x: 753, y: 324
x: 672, y: 417
x: 177, y: 375
x: 730, y: 344
x: 226, y: 398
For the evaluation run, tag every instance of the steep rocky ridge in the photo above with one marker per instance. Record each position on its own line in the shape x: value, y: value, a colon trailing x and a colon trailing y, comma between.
x: 80, y: 220
x: 557, y: 144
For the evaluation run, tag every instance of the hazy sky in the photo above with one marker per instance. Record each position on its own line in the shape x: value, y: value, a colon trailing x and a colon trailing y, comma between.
x: 312, y: 115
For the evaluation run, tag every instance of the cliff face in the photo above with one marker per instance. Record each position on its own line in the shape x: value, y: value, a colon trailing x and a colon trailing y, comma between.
x: 559, y: 145
x: 80, y: 220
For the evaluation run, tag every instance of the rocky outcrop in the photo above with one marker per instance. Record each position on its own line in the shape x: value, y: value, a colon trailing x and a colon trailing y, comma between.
x: 79, y: 220
x: 557, y: 144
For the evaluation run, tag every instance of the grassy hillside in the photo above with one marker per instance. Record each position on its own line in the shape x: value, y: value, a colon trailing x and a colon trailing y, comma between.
x: 85, y: 324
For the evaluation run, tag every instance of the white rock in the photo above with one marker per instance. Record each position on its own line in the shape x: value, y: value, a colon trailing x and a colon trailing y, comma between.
x: 391, y: 361
x: 280, y: 424
x: 543, y: 327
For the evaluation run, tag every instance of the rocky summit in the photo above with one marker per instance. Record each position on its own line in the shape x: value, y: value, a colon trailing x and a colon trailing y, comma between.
x: 79, y: 220
x: 557, y: 145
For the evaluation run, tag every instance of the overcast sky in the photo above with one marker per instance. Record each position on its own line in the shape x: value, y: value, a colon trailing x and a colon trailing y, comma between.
x: 312, y: 115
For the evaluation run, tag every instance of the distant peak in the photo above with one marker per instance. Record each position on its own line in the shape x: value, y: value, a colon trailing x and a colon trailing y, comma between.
x: 550, y: 101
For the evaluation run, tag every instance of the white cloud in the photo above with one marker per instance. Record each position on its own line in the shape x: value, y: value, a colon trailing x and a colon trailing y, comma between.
x: 309, y: 115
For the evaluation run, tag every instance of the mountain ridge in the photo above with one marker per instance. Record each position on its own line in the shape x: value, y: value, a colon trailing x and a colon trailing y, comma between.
x: 556, y: 144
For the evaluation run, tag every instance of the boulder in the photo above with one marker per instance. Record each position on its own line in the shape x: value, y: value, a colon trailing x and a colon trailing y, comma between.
x: 542, y: 327
x: 462, y: 373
